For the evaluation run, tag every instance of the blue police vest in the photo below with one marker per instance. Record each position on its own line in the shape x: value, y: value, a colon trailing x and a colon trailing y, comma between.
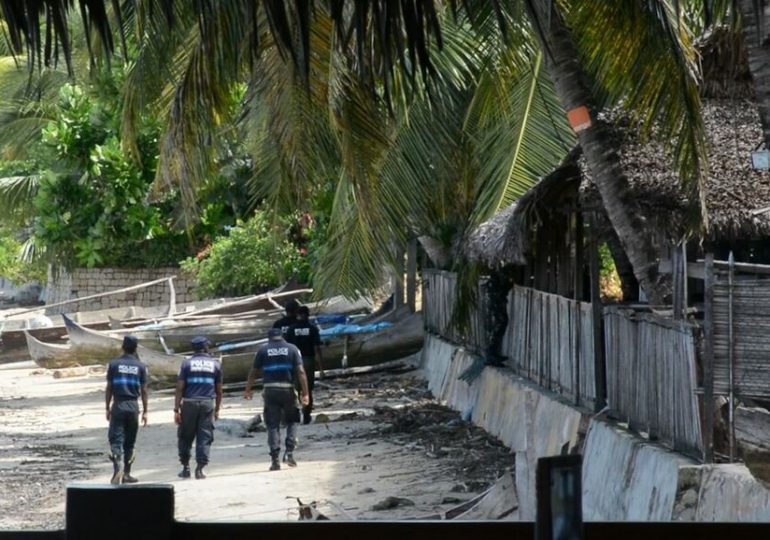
x: 201, y: 373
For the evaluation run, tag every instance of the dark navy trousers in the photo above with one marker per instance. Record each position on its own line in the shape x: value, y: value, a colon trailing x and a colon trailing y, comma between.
x: 124, y: 423
x: 198, y: 424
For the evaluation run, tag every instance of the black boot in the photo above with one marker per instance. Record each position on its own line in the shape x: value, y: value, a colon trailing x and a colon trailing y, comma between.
x: 199, y: 475
x: 127, y: 478
x: 275, y: 465
x: 117, y: 470
x: 306, y: 416
x: 288, y: 458
x: 185, y: 472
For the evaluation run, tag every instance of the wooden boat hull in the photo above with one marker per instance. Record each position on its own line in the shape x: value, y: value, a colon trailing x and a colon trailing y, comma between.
x: 177, y: 334
x: 405, y: 337
x: 49, y: 355
x: 14, y: 342
x: 163, y: 367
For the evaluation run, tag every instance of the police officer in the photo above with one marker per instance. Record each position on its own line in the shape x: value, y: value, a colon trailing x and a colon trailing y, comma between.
x: 279, y: 362
x: 307, y: 338
x: 126, y: 382
x: 290, y: 318
x: 196, y: 405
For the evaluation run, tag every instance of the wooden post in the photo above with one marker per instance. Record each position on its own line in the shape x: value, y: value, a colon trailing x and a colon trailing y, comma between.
x: 577, y: 270
x: 411, y: 275
x: 171, y: 297
x: 731, y: 354
x: 677, y: 277
x: 600, y: 374
x: 708, y: 361
x: 685, y: 276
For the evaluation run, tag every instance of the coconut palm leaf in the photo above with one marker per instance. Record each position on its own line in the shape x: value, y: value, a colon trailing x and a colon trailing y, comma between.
x: 640, y: 53
x: 522, y: 133
x: 16, y: 196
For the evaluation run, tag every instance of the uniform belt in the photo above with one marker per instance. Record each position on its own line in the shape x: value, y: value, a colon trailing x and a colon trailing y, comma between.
x: 197, y: 398
x: 278, y: 385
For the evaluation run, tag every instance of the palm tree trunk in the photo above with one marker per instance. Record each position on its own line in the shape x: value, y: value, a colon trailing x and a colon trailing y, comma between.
x: 758, y: 52
x: 599, y: 146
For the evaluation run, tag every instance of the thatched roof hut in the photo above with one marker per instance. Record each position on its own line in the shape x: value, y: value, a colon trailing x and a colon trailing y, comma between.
x: 505, y: 238
x: 737, y: 197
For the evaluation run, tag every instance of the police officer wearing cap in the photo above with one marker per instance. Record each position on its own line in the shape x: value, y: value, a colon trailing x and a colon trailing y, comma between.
x: 307, y: 337
x: 126, y: 383
x: 196, y: 405
x: 280, y: 362
x: 285, y: 322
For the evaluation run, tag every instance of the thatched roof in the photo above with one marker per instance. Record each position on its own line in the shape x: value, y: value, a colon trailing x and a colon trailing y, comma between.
x: 734, y: 191
x: 504, y: 238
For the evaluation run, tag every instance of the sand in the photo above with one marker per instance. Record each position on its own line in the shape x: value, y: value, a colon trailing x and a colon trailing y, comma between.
x: 53, y: 432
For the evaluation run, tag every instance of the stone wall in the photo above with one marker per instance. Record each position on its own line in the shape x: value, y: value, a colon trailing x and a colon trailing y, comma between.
x: 87, y: 281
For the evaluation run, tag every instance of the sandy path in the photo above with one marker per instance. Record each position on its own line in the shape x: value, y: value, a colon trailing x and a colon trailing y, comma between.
x: 53, y: 432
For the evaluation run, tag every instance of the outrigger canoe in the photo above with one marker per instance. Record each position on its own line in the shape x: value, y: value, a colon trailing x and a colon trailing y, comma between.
x: 353, y: 349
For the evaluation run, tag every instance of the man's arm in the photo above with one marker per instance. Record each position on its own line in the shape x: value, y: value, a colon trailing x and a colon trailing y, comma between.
x: 300, y: 372
x: 178, y: 401
x: 144, y: 404
x: 108, y: 398
x: 318, y: 354
x: 250, y: 383
x: 319, y: 360
x: 218, y: 404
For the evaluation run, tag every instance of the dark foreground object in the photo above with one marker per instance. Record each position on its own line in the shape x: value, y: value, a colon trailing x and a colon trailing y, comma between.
x: 147, y: 511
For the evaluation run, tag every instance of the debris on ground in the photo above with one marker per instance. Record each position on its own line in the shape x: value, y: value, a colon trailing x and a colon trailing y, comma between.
x: 376, y: 440
x: 392, y: 502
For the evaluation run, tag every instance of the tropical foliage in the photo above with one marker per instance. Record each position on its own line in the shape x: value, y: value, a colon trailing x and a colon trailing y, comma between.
x: 254, y: 256
x: 421, y: 119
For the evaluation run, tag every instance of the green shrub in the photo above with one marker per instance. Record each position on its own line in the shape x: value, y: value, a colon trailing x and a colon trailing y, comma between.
x: 11, y: 265
x: 255, y: 256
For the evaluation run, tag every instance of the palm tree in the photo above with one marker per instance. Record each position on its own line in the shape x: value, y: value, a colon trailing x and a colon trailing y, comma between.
x: 596, y: 52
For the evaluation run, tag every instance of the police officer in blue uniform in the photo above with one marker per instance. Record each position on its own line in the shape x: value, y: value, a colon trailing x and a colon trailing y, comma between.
x: 307, y: 337
x: 280, y: 362
x: 196, y: 406
x: 126, y: 383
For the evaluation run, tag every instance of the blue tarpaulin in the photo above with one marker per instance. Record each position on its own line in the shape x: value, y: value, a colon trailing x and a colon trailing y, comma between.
x: 342, y: 329
x: 332, y: 319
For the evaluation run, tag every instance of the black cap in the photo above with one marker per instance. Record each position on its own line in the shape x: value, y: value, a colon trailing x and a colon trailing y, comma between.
x: 199, y: 342
x: 274, y: 332
x: 292, y: 305
x: 130, y: 342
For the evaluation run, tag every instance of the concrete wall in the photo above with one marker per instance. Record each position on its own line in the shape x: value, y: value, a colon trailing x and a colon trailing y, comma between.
x: 627, y: 478
x: 84, y: 282
x: 624, y: 476
x: 525, y: 419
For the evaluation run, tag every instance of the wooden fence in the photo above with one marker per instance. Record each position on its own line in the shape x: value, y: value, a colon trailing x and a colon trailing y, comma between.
x: 742, y: 319
x: 438, y: 308
x: 651, y: 377
x: 550, y: 341
x: 549, y: 338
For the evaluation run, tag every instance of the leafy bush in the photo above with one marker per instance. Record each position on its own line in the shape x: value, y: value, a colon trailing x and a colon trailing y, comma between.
x: 255, y: 256
x: 90, y: 206
x: 11, y: 265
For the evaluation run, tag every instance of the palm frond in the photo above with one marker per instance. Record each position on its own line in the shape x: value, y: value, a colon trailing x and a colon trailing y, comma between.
x: 640, y: 53
x: 16, y: 196
x: 522, y: 133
